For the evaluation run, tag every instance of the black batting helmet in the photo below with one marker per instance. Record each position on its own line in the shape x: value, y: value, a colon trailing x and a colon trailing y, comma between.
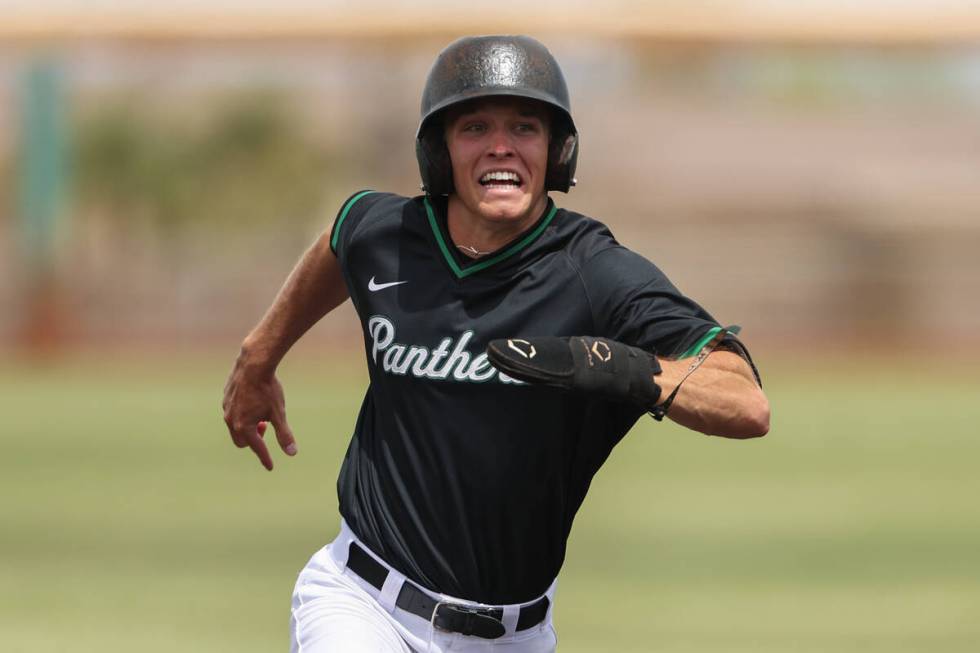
x: 483, y: 66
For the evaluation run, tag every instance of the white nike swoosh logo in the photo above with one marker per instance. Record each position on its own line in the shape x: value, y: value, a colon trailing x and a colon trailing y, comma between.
x: 375, y: 287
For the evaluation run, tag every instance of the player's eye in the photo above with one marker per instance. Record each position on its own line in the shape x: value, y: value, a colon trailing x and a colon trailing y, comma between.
x: 527, y: 127
x: 474, y: 127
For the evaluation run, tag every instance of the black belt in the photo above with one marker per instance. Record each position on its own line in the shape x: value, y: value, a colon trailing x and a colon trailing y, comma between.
x: 452, y: 617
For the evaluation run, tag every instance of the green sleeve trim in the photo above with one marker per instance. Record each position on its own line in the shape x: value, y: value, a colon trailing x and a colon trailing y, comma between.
x: 699, y: 345
x: 343, y: 216
x: 706, y: 338
x: 483, y: 264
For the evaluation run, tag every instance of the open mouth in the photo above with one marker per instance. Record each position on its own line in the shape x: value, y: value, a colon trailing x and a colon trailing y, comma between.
x: 500, y: 180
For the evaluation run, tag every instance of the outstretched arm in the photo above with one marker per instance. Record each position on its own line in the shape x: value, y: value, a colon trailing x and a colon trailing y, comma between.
x: 253, y: 394
x: 721, y: 396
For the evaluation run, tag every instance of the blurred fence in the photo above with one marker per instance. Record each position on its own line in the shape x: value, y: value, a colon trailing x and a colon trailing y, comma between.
x: 805, y: 192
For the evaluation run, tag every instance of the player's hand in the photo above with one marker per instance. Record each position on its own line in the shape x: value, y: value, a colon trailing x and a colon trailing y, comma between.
x: 596, y: 366
x: 253, y: 399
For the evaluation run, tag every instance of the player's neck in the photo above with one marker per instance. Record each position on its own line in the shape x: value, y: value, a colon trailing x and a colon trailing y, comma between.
x: 477, y: 235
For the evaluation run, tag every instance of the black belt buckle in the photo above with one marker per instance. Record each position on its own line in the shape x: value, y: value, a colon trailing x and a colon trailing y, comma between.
x: 480, y: 622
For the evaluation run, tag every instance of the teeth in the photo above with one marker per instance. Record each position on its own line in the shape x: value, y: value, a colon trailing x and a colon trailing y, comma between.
x: 500, y: 175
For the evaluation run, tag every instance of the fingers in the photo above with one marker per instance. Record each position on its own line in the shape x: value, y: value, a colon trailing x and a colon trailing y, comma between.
x: 257, y: 445
x: 284, y: 434
x: 251, y: 437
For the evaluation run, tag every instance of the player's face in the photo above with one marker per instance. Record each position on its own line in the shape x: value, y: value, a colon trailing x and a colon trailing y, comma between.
x: 499, y: 152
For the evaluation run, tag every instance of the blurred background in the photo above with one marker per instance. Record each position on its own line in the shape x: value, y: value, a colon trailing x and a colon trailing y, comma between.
x: 809, y: 170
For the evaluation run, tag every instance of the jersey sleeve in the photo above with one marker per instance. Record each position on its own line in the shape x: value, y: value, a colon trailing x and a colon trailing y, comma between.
x: 634, y: 302
x: 352, y: 211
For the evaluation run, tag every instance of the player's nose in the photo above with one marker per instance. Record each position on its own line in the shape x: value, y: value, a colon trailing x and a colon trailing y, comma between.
x: 501, y: 142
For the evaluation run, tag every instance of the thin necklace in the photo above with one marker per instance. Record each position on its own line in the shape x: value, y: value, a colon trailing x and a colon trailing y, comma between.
x: 472, y: 251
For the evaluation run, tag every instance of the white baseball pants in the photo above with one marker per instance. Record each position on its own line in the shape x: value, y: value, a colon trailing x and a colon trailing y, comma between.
x: 334, y: 610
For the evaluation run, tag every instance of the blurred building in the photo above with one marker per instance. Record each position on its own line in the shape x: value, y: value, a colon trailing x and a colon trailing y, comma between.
x: 809, y: 174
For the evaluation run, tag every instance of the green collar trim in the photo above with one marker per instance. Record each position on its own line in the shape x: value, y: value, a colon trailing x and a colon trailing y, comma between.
x: 462, y: 273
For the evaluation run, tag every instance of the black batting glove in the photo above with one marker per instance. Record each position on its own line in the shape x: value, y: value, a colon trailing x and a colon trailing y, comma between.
x: 594, y: 366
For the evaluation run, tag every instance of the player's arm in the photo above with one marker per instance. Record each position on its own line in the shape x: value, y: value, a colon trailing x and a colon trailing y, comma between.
x: 718, y: 393
x: 721, y: 397
x: 253, y: 395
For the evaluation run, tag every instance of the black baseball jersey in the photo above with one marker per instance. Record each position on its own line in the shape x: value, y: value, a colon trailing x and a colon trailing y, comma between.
x: 464, y: 479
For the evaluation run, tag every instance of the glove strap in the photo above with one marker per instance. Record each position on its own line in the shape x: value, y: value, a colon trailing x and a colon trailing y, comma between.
x: 660, y: 411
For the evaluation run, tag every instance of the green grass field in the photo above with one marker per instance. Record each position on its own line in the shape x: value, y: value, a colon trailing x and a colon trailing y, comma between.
x: 130, y: 522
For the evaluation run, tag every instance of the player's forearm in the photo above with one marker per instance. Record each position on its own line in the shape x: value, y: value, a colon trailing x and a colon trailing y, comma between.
x: 720, y: 398
x: 314, y: 288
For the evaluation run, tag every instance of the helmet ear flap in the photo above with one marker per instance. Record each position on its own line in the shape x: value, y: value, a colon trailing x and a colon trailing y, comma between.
x: 568, y: 148
x: 434, y: 162
x: 562, y: 157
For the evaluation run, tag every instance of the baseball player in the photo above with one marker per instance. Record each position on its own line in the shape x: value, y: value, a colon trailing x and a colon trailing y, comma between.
x: 511, y: 344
